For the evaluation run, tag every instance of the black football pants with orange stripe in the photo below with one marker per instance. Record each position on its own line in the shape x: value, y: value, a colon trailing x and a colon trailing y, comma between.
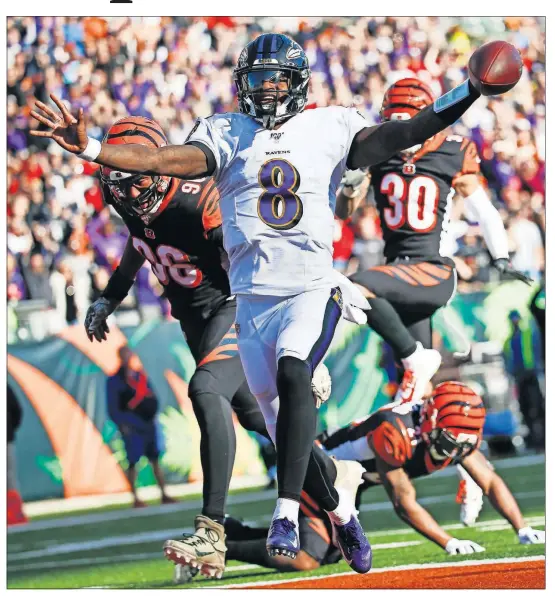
x: 217, y: 389
x: 407, y: 294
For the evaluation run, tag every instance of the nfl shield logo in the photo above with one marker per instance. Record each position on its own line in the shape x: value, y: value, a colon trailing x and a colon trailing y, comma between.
x: 149, y: 233
x: 409, y: 169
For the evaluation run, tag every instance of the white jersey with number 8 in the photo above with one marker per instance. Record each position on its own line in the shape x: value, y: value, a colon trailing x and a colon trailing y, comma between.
x: 277, y: 191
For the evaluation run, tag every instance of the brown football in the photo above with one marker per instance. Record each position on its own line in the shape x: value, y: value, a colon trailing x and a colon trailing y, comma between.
x: 495, y: 68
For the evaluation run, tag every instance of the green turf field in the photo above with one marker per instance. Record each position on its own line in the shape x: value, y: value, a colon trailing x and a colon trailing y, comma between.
x: 123, y: 548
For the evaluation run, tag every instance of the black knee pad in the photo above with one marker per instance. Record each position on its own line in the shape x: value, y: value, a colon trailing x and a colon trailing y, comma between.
x: 292, y: 372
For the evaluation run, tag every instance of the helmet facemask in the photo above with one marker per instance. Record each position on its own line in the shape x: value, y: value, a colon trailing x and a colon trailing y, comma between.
x: 443, y: 444
x: 149, y: 191
x: 452, y: 421
x: 271, y: 106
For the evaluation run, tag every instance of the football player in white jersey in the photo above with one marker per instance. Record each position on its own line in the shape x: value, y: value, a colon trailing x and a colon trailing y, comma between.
x: 277, y: 168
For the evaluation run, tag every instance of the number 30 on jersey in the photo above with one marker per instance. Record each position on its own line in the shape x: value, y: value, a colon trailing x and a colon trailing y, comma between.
x: 413, y: 203
x: 278, y: 206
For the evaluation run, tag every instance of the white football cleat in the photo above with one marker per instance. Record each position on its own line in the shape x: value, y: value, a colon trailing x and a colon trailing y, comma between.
x: 419, y: 367
x: 204, y: 550
x: 470, y: 497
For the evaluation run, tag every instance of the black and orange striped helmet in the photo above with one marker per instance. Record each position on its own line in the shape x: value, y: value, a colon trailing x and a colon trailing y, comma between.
x: 138, y: 194
x: 452, y: 421
x: 405, y: 98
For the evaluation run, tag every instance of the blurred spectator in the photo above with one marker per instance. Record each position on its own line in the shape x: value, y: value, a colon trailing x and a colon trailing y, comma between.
x: 175, y: 69
x: 529, y: 255
x: 343, y: 242
x: 15, y: 284
x: 368, y: 247
x: 14, y: 502
x: 523, y: 363
x: 132, y: 405
x: 70, y: 296
x: 107, y: 241
x: 37, y: 279
x: 537, y: 308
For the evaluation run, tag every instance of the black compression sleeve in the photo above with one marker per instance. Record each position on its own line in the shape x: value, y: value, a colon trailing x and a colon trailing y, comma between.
x: 210, y: 159
x: 118, y: 286
x: 375, y: 144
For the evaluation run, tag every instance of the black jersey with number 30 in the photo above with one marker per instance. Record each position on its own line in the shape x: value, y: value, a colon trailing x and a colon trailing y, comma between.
x: 413, y: 193
x: 184, y: 247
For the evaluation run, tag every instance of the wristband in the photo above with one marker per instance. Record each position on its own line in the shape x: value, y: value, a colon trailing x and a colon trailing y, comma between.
x: 92, y: 150
x: 452, y: 97
x: 118, y: 286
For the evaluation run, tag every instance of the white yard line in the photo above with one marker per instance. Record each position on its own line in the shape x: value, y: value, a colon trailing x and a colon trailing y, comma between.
x: 146, y: 493
x: 96, y: 518
x: 160, y: 535
x: 122, y: 540
x: 151, y: 511
x: 153, y: 556
x: 115, y: 559
x: 158, y: 555
x: 389, y: 569
x: 77, y: 503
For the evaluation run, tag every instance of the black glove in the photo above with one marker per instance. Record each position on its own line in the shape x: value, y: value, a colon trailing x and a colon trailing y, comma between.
x: 504, y: 267
x: 95, y: 320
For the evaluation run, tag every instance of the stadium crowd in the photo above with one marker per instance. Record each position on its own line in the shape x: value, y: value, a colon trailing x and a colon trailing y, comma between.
x: 63, y: 242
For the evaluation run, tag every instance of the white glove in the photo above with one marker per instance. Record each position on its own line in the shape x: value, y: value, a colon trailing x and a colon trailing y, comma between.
x: 462, y: 547
x: 352, y: 179
x: 530, y: 536
x: 321, y: 384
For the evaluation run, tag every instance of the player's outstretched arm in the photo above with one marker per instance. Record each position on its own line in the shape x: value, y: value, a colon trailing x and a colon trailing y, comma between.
x: 403, y: 496
x: 180, y: 161
x: 402, y: 493
x: 479, y: 208
x: 493, y: 68
x: 375, y: 144
x: 500, y: 496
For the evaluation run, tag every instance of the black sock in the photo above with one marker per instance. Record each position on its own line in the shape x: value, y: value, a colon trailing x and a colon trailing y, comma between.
x: 320, y: 477
x: 217, y: 445
x: 385, y: 321
x: 296, y: 425
x: 252, y: 551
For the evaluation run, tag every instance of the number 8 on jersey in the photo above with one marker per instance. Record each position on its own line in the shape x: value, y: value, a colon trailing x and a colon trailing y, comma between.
x: 278, y: 206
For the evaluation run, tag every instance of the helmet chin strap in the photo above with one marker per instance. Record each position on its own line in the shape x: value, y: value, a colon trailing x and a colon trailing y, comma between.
x: 269, y: 121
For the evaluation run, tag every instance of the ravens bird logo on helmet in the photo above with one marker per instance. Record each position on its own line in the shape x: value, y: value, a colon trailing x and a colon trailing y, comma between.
x: 272, y: 77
